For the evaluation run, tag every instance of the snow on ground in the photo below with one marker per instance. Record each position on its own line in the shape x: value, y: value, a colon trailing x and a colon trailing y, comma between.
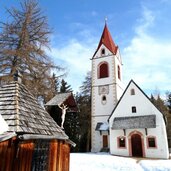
x: 101, y: 162
x: 156, y: 165
x: 107, y: 162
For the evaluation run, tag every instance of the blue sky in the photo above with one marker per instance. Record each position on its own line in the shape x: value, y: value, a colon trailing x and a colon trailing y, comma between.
x: 141, y: 29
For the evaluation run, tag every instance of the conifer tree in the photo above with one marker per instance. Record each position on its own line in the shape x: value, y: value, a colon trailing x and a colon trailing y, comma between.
x: 168, y: 94
x: 65, y: 88
x: 23, y: 40
x: 164, y: 109
x: 84, y: 104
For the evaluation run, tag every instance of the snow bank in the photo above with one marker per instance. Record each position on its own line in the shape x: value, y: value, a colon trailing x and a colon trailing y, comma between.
x: 105, y: 162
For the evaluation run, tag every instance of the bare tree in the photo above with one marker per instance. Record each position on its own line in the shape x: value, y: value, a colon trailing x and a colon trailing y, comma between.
x: 23, y: 42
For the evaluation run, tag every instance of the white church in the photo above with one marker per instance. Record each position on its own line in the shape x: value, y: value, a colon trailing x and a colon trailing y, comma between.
x: 125, y: 122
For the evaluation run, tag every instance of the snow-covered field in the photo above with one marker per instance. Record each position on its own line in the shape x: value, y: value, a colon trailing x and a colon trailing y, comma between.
x: 107, y: 162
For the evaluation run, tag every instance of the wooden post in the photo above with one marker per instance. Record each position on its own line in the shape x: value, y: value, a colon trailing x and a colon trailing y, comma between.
x: 66, y: 157
x: 59, y: 158
x: 53, y: 150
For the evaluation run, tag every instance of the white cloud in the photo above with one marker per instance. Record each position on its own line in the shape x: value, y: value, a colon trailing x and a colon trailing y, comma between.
x: 75, y: 56
x: 147, y: 58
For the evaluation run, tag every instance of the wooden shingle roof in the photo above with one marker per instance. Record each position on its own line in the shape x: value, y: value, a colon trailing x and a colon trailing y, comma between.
x: 64, y: 98
x: 24, y: 115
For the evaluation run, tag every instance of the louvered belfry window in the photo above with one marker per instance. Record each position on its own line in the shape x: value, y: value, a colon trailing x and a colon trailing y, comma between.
x: 103, y: 70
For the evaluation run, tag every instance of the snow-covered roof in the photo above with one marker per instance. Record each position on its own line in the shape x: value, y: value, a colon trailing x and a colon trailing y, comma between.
x: 102, y: 126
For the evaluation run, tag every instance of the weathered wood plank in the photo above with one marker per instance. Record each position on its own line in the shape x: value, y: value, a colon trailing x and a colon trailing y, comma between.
x: 29, y: 156
x: 66, y: 157
x: 59, y: 156
x: 53, y: 156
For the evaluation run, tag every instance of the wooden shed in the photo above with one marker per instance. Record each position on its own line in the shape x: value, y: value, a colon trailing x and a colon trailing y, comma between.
x: 34, y: 141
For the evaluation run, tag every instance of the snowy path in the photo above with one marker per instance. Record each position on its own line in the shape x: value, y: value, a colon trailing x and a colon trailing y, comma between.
x: 106, y: 162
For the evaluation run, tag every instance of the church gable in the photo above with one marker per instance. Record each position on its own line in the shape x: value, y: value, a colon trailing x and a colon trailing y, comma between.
x: 135, y: 102
x: 138, y: 126
x: 102, y: 51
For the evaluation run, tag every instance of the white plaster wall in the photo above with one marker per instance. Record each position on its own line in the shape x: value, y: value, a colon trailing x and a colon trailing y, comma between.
x: 101, y: 112
x: 114, y: 146
x: 97, y: 143
x: 103, y: 109
x: 144, y: 107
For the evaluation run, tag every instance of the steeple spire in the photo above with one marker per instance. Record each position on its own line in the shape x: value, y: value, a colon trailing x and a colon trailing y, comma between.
x: 106, y: 39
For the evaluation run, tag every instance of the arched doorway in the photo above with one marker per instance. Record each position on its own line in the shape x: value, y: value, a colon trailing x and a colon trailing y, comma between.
x: 136, y: 145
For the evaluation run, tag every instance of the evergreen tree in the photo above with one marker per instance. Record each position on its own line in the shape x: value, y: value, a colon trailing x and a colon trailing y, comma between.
x: 168, y: 101
x: 160, y: 104
x: 65, y: 88
x: 23, y: 41
x: 55, y: 83
x: 72, y: 126
x: 84, y: 104
x: 168, y: 94
x: 163, y: 107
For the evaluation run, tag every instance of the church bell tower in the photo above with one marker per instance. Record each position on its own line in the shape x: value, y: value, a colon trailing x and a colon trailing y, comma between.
x: 107, y: 88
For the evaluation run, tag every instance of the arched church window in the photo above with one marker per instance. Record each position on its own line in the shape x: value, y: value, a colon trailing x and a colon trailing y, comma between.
x: 103, y: 70
x: 132, y: 91
x: 119, y: 72
x: 103, y: 52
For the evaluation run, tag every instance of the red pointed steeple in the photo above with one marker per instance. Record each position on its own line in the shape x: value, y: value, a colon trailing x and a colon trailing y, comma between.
x: 107, y: 40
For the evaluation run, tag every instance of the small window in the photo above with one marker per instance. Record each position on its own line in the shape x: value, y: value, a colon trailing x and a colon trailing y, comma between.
x: 103, y: 70
x: 103, y: 51
x: 119, y: 72
x: 121, y: 142
x: 104, y: 100
x: 151, y: 142
x: 132, y: 91
x: 134, y: 110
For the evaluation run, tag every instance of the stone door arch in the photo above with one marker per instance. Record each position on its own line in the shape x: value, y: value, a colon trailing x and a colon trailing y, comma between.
x: 136, y: 144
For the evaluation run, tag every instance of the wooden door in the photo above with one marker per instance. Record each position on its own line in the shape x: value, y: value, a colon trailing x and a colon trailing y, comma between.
x: 136, y: 144
x: 105, y: 141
